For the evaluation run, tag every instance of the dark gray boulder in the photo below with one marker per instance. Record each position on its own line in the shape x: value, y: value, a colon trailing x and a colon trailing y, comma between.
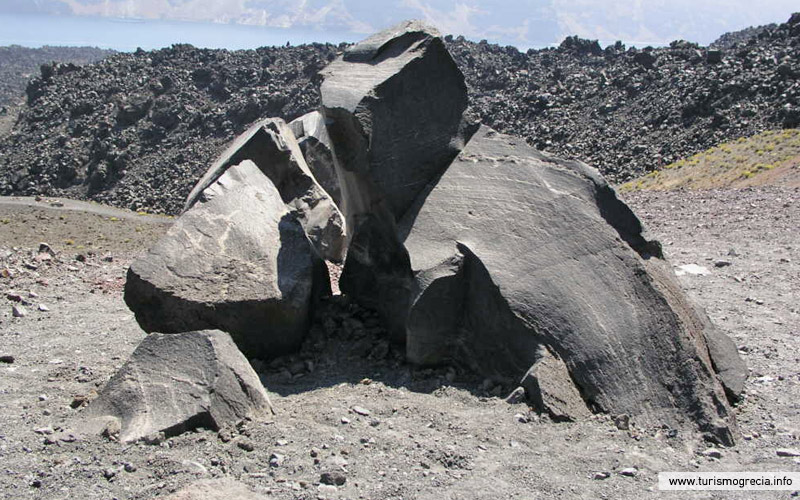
x: 394, y: 110
x: 271, y: 145
x: 177, y: 382
x: 315, y: 144
x: 394, y: 106
x: 237, y: 260
x: 513, y: 250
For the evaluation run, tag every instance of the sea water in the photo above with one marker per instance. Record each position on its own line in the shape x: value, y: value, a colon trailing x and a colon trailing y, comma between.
x: 130, y: 34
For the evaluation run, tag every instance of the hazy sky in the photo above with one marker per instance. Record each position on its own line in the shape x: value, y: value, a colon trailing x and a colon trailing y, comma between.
x: 524, y: 23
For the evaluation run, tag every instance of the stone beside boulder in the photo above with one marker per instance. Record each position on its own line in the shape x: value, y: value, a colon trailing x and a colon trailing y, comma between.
x: 730, y: 367
x: 550, y: 389
x: 315, y: 144
x: 237, y: 260
x: 271, y: 145
x: 177, y: 382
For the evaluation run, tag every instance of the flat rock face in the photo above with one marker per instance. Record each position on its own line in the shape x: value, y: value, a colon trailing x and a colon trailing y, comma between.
x: 315, y: 144
x: 271, y: 145
x: 237, y: 261
x: 543, y: 254
x: 177, y: 382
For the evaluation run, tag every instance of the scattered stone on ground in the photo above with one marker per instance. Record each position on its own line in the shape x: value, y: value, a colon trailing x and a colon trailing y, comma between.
x: 178, y: 382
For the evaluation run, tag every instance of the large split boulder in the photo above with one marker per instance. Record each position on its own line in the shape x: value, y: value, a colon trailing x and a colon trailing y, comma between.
x: 272, y: 146
x: 177, y: 382
x: 524, y: 267
x: 394, y: 108
x: 524, y: 251
x: 237, y: 260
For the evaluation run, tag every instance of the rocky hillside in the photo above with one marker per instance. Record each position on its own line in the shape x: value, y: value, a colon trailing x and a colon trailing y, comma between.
x: 627, y: 111
x: 137, y: 130
x: 741, y: 37
x: 19, y: 64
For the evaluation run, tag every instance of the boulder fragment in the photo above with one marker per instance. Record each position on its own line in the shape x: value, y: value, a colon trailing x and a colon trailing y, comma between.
x: 496, y: 256
x: 271, y: 145
x: 394, y: 106
x: 314, y: 142
x: 177, y: 382
x: 550, y: 389
x: 237, y: 261
x: 729, y: 366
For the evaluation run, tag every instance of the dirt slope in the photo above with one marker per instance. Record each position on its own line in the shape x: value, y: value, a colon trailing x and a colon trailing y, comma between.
x: 768, y: 158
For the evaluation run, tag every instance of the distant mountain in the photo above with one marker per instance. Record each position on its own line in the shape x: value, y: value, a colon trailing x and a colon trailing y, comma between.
x: 19, y: 64
x: 137, y: 130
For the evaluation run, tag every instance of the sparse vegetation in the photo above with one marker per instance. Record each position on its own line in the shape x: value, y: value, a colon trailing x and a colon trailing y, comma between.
x: 741, y: 162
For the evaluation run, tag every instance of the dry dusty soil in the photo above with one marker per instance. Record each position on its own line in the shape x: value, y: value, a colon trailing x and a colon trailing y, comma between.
x: 348, y: 404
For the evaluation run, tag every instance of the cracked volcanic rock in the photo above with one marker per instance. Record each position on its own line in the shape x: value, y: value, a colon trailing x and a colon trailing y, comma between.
x: 271, y: 145
x: 237, y: 261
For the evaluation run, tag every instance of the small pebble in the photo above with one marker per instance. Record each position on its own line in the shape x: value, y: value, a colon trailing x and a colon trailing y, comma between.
x: 517, y: 396
x: 246, y: 444
x: 598, y: 476
x: 326, y: 490
x: 18, y: 311
x: 7, y: 358
x: 622, y: 422
x: 630, y: 472
x: 334, y: 478
x: 788, y: 452
x: 275, y: 460
x: 712, y: 453
x: 361, y: 411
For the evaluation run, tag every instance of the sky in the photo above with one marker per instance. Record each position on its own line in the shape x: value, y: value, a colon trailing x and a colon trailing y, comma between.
x: 245, y: 23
